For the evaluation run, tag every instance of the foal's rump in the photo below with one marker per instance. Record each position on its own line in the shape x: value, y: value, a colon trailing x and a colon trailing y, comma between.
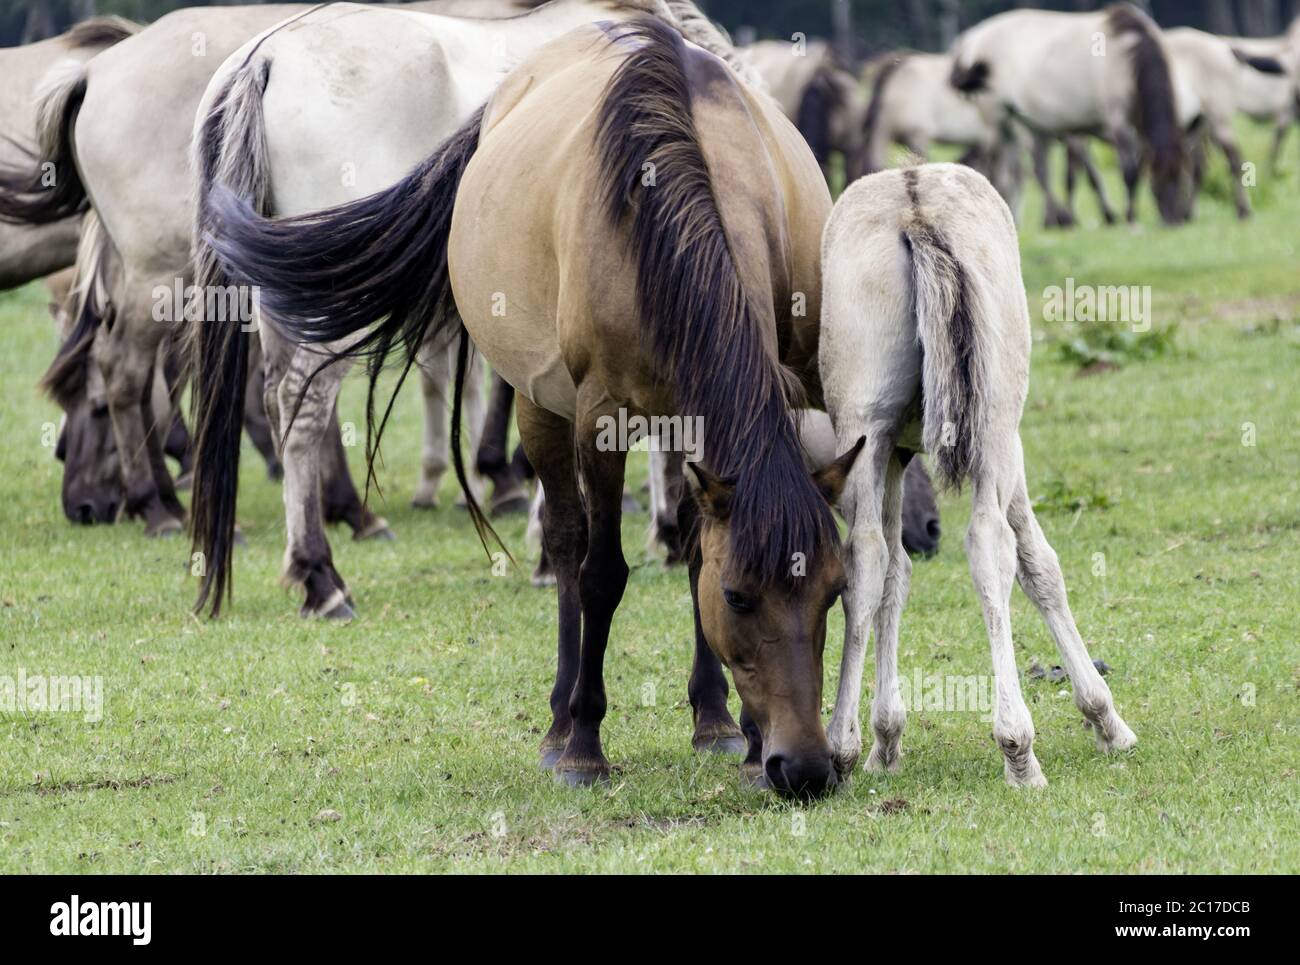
x: 924, y: 340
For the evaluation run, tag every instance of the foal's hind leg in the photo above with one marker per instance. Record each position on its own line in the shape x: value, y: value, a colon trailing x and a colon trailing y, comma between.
x: 991, y: 548
x: 1041, y: 579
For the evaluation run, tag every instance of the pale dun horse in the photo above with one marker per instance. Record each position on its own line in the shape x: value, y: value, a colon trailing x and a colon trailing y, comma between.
x: 925, y: 347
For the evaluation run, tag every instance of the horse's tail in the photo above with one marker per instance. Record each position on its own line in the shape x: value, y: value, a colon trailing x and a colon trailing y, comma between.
x: 972, y: 78
x: 229, y: 147
x: 874, y: 134
x: 88, y: 306
x: 375, y: 268
x: 816, y: 113
x: 949, y: 326
x: 47, y: 188
x: 1265, y: 65
x: 1157, y: 113
x: 702, y: 327
x: 101, y: 32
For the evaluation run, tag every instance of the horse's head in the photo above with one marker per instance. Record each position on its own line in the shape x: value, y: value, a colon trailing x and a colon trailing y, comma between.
x: 771, y: 634
x: 921, y: 530
x: 92, y: 472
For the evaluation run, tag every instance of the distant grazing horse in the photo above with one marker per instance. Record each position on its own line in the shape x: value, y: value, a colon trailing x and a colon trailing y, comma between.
x: 1207, y: 66
x: 276, y: 125
x: 913, y: 105
x: 1264, y: 95
x: 29, y: 251
x: 925, y: 347
x: 1106, y: 74
x: 670, y: 295
x: 819, y: 94
x: 117, y: 132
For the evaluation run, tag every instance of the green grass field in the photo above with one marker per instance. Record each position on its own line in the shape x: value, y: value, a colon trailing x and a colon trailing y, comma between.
x: 406, y: 741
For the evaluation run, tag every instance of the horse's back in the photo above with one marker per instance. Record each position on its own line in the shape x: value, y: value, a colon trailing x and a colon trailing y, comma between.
x: 531, y: 224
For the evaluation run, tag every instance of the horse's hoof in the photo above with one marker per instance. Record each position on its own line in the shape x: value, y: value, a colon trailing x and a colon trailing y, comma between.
x: 378, y: 530
x: 587, y: 777
x: 424, y: 501
x: 168, y: 526
x: 721, y: 744
x: 541, y: 579
x: 509, y: 506
x: 630, y: 505
x: 550, y: 755
x: 184, y: 481
x: 342, y: 613
x: 753, y: 775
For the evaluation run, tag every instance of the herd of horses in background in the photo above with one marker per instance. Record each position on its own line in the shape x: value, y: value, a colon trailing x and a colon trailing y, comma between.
x: 575, y: 209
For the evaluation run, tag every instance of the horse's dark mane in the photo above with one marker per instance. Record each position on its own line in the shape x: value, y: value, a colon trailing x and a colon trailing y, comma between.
x: 1154, y: 90
x: 703, y: 329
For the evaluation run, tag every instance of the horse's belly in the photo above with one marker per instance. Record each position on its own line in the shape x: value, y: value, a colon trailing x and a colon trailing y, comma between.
x: 526, y: 353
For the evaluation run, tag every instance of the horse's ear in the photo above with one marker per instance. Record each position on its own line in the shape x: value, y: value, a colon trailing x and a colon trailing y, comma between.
x: 831, y: 479
x: 711, y: 494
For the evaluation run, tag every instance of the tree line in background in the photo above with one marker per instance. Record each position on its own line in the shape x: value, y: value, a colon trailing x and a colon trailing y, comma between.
x: 859, y: 27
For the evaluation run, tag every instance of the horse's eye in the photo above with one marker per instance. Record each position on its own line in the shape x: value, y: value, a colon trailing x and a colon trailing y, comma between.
x: 737, y: 602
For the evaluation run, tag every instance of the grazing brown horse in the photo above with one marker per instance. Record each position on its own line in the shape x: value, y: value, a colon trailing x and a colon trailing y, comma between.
x: 652, y: 226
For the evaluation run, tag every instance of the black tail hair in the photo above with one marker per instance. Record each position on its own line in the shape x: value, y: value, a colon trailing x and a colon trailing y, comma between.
x: 971, y: 80
x: 230, y: 146
x: 878, y: 85
x: 703, y: 328
x: 46, y: 187
x: 379, y: 263
x: 1265, y: 65
x: 817, y: 111
x: 65, y: 379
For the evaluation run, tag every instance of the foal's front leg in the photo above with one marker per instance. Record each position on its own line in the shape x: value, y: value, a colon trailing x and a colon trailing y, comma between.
x: 888, y: 714
x: 867, y: 562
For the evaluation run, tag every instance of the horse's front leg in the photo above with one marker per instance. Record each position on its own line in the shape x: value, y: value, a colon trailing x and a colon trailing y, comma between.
x: 601, y: 582
x: 715, y: 728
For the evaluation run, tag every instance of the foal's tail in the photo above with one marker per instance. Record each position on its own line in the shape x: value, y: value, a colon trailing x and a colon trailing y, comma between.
x: 229, y: 147
x: 950, y: 327
x: 47, y: 187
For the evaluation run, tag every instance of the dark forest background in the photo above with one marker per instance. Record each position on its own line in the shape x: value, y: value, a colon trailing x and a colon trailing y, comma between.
x: 860, y: 27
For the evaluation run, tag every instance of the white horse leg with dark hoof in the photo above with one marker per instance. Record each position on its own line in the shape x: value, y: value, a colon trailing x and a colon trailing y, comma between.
x: 991, y: 549
x: 888, y: 714
x: 434, y: 380
x: 1041, y: 579
x: 308, y: 562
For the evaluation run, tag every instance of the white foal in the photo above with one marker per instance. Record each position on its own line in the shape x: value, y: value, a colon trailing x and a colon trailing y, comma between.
x: 925, y: 347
